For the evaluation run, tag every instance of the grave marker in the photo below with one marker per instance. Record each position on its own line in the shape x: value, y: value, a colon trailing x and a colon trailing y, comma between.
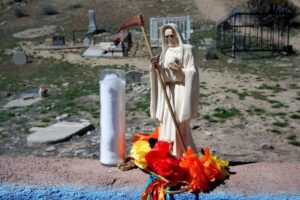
x: 20, y: 57
x: 58, y: 40
x: 133, y: 76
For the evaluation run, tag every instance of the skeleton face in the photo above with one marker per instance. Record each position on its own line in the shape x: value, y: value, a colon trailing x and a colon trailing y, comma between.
x: 171, y: 38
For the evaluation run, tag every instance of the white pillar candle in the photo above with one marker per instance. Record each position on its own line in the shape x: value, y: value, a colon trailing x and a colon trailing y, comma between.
x: 112, y: 120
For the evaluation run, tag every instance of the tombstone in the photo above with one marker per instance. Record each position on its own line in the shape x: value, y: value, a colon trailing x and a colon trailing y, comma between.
x: 92, y: 21
x: 133, y: 77
x: 211, y: 55
x: 58, y: 40
x: 20, y: 57
x: 87, y: 41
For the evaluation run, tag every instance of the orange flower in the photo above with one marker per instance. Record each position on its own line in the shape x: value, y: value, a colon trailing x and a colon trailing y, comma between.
x: 210, y: 169
x: 196, y: 176
x: 145, y: 137
x: 202, y: 170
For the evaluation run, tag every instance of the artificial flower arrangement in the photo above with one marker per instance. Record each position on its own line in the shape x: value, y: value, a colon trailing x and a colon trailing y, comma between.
x: 187, y: 173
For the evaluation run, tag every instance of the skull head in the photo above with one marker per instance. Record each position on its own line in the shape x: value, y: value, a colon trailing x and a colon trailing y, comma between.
x: 170, y: 38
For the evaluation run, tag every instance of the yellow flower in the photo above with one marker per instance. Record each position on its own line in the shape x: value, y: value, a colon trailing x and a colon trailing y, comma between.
x: 221, y: 165
x: 138, y: 151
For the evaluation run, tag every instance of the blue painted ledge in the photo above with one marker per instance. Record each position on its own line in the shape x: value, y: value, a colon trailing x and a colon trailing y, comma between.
x: 24, y: 192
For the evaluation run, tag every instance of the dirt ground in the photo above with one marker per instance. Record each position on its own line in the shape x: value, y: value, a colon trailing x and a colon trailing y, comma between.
x: 261, y: 130
x: 262, y: 115
x: 269, y: 178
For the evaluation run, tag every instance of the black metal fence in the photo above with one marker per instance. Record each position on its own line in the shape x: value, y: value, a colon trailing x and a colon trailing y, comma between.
x: 241, y: 32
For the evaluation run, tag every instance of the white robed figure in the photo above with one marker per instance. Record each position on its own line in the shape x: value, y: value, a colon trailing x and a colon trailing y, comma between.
x: 180, y: 75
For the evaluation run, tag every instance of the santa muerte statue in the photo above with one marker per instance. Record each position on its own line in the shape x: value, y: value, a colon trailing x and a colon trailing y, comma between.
x: 169, y: 154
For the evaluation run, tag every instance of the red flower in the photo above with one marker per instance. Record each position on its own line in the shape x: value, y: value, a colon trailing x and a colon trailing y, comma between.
x: 163, y: 163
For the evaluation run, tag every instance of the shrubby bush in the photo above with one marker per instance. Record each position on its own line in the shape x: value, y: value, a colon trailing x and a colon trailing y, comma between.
x: 48, y: 9
x: 20, y: 13
x: 277, y: 11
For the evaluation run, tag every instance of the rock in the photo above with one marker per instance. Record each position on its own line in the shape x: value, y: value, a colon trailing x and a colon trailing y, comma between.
x: 45, y: 154
x: 85, y: 121
x: 195, y: 127
x: 79, y: 151
x: 94, y: 139
x: 93, y: 156
x: 211, y: 55
x: 266, y: 145
x: 17, y: 114
x: 3, y: 23
x: 133, y: 76
x: 207, y: 133
x: 128, y: 136
x: 65, y: 84
x: 62, y: 117
x: 235, y: 61
x: 51, y: 148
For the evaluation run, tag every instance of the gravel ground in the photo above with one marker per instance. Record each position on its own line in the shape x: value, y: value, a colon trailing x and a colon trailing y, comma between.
x: 247, y: 180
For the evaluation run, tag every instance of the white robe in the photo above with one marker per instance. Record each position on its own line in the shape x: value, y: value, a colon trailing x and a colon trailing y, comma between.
x: 183, y: 97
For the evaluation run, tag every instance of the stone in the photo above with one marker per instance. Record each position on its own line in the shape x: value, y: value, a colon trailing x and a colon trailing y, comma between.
x: 235, y: 61
x: 84, y: 120
x: 58, y: 132
x: 207, y: 133
x: 20, y: 57
x: 65, y: 84
x: 266, y: 145
x: 195, y: 127
x: 62, y: 117
x: 93, y: 156
x: 80, y: 151
x: 45, y: 154
x: 128, y: 136
x: 51, y: 148
x: 3, y: 23
x: 133, y: 77
x: 211, y: 55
